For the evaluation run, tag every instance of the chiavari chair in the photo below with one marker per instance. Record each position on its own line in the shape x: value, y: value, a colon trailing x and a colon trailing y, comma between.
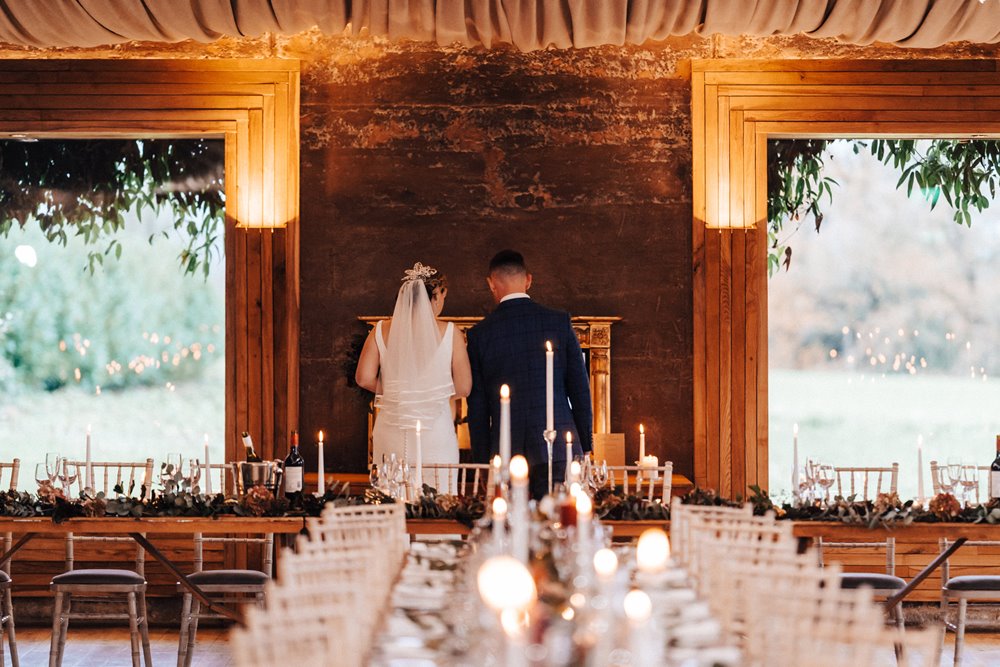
x: 652, y: 483
x: 101, y: 583
x: 224, y: 586
x: 681, y: 516
x: 883, y: 585
x: 457, y: 479
x: 964, y: 588
x: 6, y: 603
x: 865, y: 483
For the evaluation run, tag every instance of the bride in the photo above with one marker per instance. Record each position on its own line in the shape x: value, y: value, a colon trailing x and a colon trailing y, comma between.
x: 416, y: 364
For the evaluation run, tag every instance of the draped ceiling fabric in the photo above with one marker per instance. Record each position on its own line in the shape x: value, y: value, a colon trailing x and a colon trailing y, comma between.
x: 527, y: 24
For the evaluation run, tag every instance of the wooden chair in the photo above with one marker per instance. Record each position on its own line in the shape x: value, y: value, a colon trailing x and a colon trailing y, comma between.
x: 227, y: 586
x: 883, y: 585
x: 938, y: 471
x: 130, y: 475
x: 457, y: 479
x: 964, y: 588
x: 6, y: 604
x: 100, y: 583
x: 868, y: 482
x: 653, y: 483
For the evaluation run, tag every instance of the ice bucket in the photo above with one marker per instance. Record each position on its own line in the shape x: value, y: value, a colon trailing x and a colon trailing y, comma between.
x: 248, y: 474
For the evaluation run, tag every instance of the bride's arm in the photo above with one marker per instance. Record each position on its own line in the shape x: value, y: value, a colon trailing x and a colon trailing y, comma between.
x: 368, y: 364
x: 461, y: 371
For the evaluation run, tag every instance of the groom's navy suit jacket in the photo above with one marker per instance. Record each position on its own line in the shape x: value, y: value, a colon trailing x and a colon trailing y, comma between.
x: 508, y: 347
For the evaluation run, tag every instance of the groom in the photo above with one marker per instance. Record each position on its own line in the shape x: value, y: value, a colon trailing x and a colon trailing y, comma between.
x: 508, y: 347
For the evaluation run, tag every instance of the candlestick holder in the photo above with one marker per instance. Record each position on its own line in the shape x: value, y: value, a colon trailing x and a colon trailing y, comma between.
x: 550, y: 439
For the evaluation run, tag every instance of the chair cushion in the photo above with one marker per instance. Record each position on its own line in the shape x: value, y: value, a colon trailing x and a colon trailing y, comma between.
x: 974, y: 582
x: 873, y: 579
x: 4, y: 577
x: 98, y: 577
x: 228, y: 578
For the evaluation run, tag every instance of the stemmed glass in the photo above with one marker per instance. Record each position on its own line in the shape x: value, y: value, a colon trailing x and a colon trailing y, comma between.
x: 598, y: 475
x: 52, y: 460
x: 41, y: 474
x: 825, y: 477
x: 954, y: 471
x: 67, y: 474
x: 170, y: 471
x: 194, y: 474
x: 970, y: 480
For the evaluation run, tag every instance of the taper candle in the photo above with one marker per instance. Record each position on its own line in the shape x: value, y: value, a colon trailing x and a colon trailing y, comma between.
x: 504, y: 429
x: 208, y: 470
x: 320, y: 468
x: 419, y: 479
x: 549, y: 411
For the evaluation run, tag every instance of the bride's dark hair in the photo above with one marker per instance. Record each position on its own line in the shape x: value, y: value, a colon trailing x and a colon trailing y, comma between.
x: 437, y: 281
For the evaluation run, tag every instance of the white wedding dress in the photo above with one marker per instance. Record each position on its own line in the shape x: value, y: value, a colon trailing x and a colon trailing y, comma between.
x: 415, y: 373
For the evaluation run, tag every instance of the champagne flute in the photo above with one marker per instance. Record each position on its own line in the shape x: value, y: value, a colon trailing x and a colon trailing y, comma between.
x: 52, y: 460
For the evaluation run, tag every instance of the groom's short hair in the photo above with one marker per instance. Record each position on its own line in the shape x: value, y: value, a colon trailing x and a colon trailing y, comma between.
x: 508, y: 262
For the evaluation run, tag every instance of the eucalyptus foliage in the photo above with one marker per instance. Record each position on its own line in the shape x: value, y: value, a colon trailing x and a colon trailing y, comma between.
x: 84, y: 188
x: 963, y: 171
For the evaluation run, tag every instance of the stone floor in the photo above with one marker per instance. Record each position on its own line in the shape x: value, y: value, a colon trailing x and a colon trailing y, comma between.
x: 109, y: 647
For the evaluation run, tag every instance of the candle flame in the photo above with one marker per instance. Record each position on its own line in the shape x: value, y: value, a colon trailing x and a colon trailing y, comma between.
x: 569, y: 436
x: 584, y: 506
x: 519, y: 468
x: 795, y: 429
x: 418, y: 427
x: 321, y: 436
x: 642, y: 429
x: 499, y: 507
x: 504, y: 391
x: 88, y: 429
x: 548, y: 346
x: 496, y: 461
x: 206, y: 438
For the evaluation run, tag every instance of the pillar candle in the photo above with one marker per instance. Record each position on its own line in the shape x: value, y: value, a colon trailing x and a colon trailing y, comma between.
x: 549, y: 414
x: 419, y: 479
x: 569, y: 455
x: 208, y: 469
x: 920, y: 468
x: 795, y: 461
x: 89, y: 481
x: 320, y: 468
x: 504, y: 428
x: 642, y: 442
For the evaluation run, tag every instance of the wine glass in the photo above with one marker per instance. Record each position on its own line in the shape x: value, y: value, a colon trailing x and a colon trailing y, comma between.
x: 194, y: 474
x: 41, y: 473
x: 170, y: 471
x: 67, y: 474
x: 599, y: 475
x: 954, y: 470
x: 825, y: 477
x: 970, y: 480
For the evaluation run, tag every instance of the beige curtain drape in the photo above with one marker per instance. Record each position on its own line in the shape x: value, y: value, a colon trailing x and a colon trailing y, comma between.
x: 527, y: 24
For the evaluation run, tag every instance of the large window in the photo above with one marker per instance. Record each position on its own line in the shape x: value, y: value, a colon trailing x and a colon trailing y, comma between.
x: 884, y: 329
x: 112, y: 319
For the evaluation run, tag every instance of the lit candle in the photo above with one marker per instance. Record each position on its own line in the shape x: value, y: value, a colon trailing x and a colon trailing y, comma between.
x: 499, y: 523
x: 320, y: 468
x: 652, y: 553
x: 638, y: 608
x: 494, y: 478
x: 605, y: 565
x: 504, y: 427
x: 584, y: 512
x: 642, y: 442
x: 89, y: 481
x: 920, y: 468
x: 519, y: 511
x: 419, y: 479
x: 795, y: 460
x: 549, y: 357
x: 569, y: 455
x: 208, y: 470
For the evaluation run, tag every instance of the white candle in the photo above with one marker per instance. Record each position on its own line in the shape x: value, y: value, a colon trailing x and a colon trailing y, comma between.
x: 920, y: 468
x: 519, y: 508
x: 638, y: 609
x: 320, y: 468
x: 89, y: 481
x: 569, y: 455
x: 795, y: 461
x: 499, y: 523
x: 549, y: 418
x: 504, y: 427
x: 642, y: 442
x: 208, y: 470
x: 419, y: 479
x: 584, y: 512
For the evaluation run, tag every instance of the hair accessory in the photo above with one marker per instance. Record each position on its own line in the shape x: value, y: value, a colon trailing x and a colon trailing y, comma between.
x: 418, y: 272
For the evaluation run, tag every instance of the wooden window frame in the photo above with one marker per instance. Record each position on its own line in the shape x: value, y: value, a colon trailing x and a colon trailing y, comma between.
x: 254, y: 106
x: 736, y: 106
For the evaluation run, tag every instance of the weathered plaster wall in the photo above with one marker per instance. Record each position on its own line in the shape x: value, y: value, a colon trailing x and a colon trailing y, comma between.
x: 580, y: 159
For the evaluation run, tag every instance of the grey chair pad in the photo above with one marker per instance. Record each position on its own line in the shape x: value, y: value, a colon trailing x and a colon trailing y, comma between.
x: 873, y: 579
x: 974, y: 582
x: 99, y: 577
x: 228, y: 578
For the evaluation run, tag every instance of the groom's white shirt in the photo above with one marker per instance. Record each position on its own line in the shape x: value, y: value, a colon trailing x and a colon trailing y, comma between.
x: 515, y: 295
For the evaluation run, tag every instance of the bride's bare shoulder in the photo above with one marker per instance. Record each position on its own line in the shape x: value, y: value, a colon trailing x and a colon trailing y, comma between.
x: 386, y: 323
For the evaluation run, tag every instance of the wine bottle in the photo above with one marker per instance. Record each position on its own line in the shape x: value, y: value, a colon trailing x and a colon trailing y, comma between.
x: 248, y: 444
x: 294, y: 466
x: 252, y: 457
x: 995, y: 473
